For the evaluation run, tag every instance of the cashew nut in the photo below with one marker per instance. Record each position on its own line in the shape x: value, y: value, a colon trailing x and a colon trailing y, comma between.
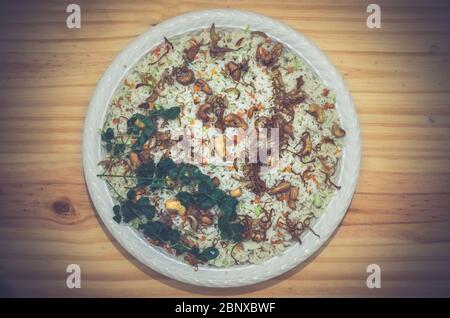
x: 236, y: 193
x: 173, y: 205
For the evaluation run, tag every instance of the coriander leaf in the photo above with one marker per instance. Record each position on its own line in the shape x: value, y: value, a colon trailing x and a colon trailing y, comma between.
x: 230, y: 231
x: 117, y: 218
x: 109, y: 146
x: 161, y: 232
x: 205, y: 187
x: 108, y: 135
x: 145, y: 173
x: 148, y: 131
x: 209, y: 253
x: 143, y: 201
x: 164, y: 166
x: 217, y: 194
x: 131, y: 194
x: 128, y: 212
x: 185, y: 180
x: 119, y: 149
x: 228, y: 206
x: 157, y: 184
x: 237, y: 230
x: 225, y: 229
x: 148, y: 210
x: 187, y: 199
x: 171, y: 113
x: 116, y: 209
x: 203, y: 201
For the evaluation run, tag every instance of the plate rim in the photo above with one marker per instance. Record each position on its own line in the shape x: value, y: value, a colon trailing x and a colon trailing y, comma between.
x: 153, y: 257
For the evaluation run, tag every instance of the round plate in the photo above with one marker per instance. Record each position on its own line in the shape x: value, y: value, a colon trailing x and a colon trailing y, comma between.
x: 156, y: 258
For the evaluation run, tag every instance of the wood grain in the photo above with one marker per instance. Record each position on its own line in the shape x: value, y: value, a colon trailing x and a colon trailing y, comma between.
x: 398, y: 77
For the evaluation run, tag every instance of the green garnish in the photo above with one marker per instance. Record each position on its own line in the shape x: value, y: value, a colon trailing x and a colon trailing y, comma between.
x: 110, y: 144
x: 170, y: 113
x: 140, y: 214
x: 108, y: 135
x: 160, y: 231
x: 167, y: 173
x: 317, y: 200
x: 143, y: 127
x: 257, y: 210
x: 206, y: 197
x: 130, y: 210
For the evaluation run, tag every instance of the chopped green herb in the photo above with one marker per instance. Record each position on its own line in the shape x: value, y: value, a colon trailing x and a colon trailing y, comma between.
x: 130, y: 210
x: 170, y: 113
x: 108, y: 135
x: 142, y: 127
x: 258, y: 211
x: 317, y: 200
x: 208, y: 253
x: 119, y: 149
x: 160, y: 231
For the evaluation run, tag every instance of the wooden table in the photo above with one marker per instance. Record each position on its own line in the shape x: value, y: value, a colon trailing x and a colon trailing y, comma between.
x: 399, y: 218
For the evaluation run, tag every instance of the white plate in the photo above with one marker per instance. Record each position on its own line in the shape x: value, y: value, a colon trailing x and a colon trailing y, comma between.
x: 154, y: 257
